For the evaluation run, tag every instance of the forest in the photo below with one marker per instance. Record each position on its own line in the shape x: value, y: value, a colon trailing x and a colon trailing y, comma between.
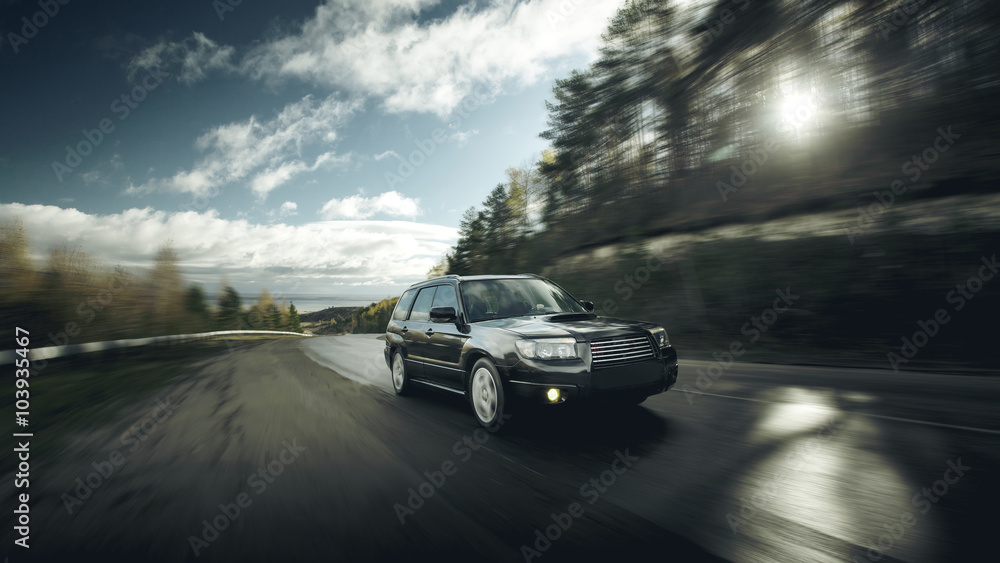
x: 846, y: 148
x: 73, y: 297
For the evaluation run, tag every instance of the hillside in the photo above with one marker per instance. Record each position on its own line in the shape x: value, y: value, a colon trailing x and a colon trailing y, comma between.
x: 349, y: 320
x: 332, y: 320
x: 911, y: 291
x: 338, y: 313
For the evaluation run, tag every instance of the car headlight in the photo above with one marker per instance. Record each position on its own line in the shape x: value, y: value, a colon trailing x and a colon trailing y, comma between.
x: 660, y: 336
x: 548, y: 349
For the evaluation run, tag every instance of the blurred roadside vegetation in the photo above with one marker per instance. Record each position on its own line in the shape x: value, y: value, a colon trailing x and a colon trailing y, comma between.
x: 74, y: 298
x: 751, y: 145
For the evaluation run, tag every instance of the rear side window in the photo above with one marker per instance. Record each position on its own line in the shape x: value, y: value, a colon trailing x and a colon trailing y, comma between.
x: 445, y: 297
x: 422, y: 306
x: 403, y: 305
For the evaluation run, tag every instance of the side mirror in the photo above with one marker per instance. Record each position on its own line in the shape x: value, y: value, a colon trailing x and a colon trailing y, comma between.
x: 588, y: 305
x: 443, y: 314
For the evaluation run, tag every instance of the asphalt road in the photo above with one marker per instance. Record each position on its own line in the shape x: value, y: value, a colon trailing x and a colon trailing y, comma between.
x: 767, y: 463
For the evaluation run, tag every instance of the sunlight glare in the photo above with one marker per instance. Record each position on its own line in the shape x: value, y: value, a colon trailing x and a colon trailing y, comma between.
x: 798, y: 111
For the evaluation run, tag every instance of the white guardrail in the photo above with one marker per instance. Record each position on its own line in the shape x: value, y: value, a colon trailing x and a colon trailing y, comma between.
x: 36, y: 354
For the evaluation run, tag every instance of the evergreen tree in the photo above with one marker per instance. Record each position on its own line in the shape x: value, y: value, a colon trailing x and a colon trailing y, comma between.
x: 467, y: 257
x: 294, y: 324
x: 230, y: 309
x: 275, y: 317
x: 196, y: 308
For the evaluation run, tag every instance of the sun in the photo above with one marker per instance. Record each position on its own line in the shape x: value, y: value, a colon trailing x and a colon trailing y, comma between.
x: 798, y: 111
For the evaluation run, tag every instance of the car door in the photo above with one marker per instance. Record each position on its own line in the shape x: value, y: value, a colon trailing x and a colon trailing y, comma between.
x: 394, y: 330
x: 414, y: 331
x: 445, y: 342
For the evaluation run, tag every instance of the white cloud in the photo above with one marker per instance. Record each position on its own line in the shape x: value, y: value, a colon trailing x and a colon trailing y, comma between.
x: 267, y: 151
x: 271, y: 178
x: 372, y: 49
x: 321, y: 255
x: 288, y: 209
x: 387, y: 154
x: 191, y: 59
x: 381, y: 49
x: 359, y: 207
x: 91, y: 177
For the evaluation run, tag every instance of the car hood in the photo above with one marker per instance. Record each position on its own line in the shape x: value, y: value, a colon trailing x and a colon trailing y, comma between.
x: 581, y: 327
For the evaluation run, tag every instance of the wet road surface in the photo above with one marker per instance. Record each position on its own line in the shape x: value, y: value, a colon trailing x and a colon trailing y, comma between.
x: 297, y: 450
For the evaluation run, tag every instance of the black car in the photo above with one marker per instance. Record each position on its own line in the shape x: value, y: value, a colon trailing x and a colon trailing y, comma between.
x: 497, y: 339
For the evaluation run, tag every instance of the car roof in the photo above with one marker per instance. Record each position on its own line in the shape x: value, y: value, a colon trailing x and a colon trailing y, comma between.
x: 457, y: 278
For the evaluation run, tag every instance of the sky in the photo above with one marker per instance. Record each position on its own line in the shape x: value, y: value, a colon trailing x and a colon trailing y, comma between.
x: 309, y: 147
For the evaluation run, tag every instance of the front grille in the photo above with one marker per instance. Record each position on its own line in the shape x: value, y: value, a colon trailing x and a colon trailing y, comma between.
x: 620, y: 350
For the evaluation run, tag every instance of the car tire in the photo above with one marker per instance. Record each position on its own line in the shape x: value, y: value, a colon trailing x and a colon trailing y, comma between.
x: 486, y: 394
x: 400, y: 378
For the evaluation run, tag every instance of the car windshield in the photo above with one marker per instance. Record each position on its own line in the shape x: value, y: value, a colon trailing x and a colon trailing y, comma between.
x: 494, y: 299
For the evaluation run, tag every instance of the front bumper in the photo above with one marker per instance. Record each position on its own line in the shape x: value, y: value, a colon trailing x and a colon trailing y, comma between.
x: 530, y: 380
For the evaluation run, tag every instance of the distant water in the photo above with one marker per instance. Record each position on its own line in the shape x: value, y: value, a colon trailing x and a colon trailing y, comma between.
x: 312, y: 303
x: 309, y: 303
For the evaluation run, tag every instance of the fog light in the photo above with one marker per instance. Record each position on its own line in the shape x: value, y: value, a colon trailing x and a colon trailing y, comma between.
x: 553, y: 395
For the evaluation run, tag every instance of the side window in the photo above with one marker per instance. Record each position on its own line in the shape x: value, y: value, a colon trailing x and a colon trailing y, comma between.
x: 403, y: 305
x: 422, y: 306
x: 446, y: 297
